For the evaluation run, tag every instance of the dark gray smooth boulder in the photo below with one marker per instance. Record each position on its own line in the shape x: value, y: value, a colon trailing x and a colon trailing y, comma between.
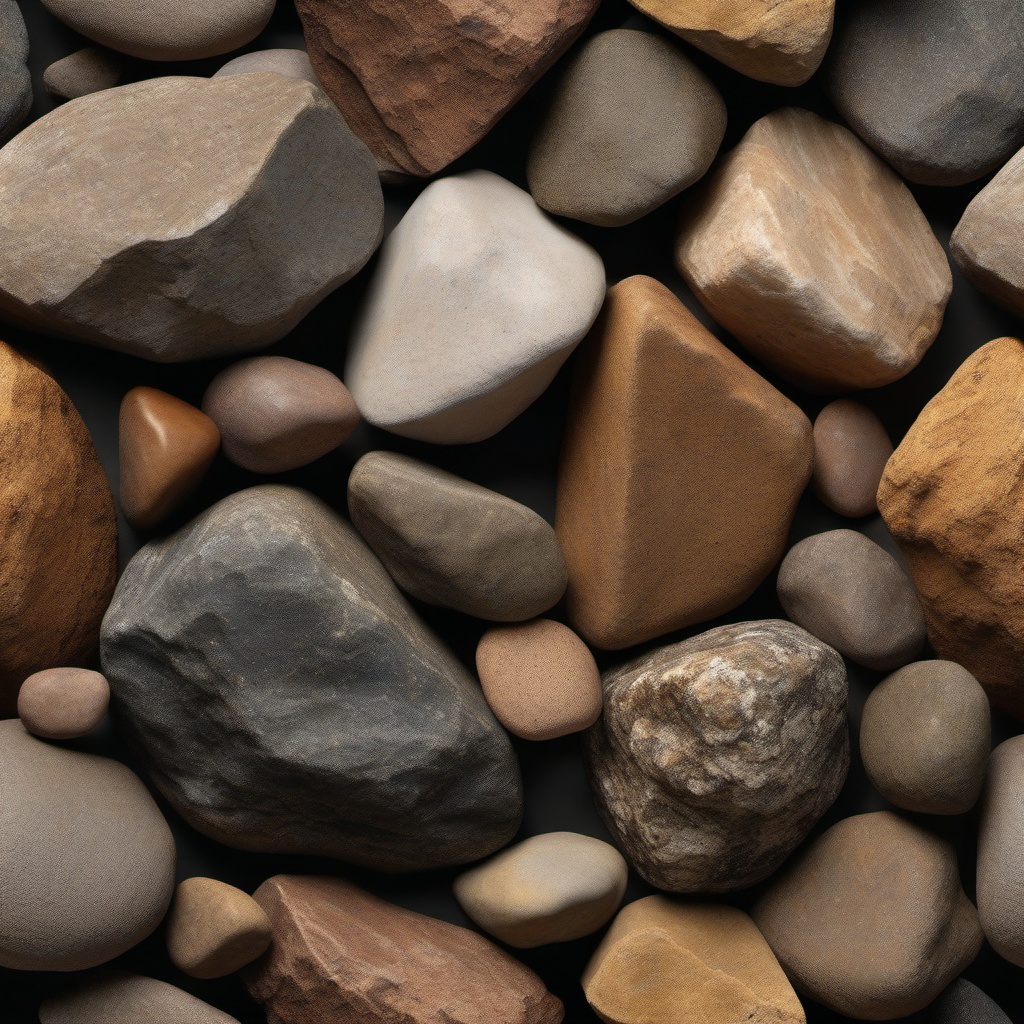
x: 15, y: 83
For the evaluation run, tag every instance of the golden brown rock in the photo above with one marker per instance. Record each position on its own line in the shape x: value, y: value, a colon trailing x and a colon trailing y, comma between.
x: 681, y: 469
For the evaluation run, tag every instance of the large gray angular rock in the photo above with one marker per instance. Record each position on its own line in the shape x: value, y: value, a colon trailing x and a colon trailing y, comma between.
x: 15, y: 83
x: 180, y: 218
x: 716, y: 756
x: 285, y: 698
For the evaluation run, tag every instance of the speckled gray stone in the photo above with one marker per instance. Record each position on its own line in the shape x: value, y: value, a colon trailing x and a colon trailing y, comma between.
x: 15, y: 83
x: 962, y: 1003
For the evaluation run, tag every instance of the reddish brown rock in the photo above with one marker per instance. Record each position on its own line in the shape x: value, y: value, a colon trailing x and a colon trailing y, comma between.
x: 851, y: 448
x: 340, y: 954
x: 63, y: 703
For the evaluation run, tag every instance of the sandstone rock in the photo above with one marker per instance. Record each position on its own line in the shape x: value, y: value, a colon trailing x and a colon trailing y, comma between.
x: 341, y: 954
x: 420, y: 83
x: 666, y: 518
x: 964, y: 1003
x: 851, y: 448
x: 472, y: 249
x: 82, y: 72
x: 63, y: 703
x: 871, y: 920
x: 688, y: 964
x: 925, y: 736
x: 935, y: 86
x: 59, y: 529
x: 808, y: 249
x: 15, y: 82
x: 101, y: 244
x: 165, y: 447
x: 632, y: 123
x: 86, y: 858
x: 548, y: 888
x: 848, y: 591
x: 333, y: 722
x: 716, y: 756
x: 214, y: 929
x: 276, y: 414
x: 950, y: 497
x: 453, y: 543
x: 290, y: 63
x: 540, y: 679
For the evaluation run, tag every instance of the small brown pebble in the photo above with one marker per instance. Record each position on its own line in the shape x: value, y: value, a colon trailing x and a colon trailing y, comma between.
x: 82, y: 72
x: 214, y: 929
x: 277, y: 414
x: 63, y: 703
x: 851, y: 448
x: 539, y: 678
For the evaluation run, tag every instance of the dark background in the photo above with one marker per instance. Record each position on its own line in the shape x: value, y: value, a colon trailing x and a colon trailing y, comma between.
x: 520, y: 462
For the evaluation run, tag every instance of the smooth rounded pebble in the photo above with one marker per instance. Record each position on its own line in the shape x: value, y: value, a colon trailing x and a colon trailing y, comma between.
x: 63, y: 703
x: 925, y: 737
x: 554, y: 887
x: 214, y: 929
x: 962, y: 1003
x: 290, y: 63
x: 539, y: 678
x: 277, y: 414
x: 83, y: 72
x: 851, y: 448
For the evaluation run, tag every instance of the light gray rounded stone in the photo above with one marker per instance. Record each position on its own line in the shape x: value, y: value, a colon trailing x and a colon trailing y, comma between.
x: 290, y: 63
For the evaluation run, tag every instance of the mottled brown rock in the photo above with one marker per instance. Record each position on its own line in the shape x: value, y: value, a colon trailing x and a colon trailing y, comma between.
x: 951, y: 497
x: 681, y: 470
x: 871, y: 919
x: 814, y: 254
x: 341, y: 954
x: 421, y: 82
x: 63, y: 703
x: 165, y: 447
x: 58, y: 554
x: 851, y: 448
x: 664, y: 962
x: 83, y: 72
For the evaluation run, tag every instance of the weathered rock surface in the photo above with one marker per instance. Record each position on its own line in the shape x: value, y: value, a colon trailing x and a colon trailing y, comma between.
x: 950, y: 497
x: 807, y: 248
x: 83, y: 72
x: 101, y: 244
x: 15, y: 82
x: 716, y: 756
x: 453, y: 543
x: 472, y: 249
x: 341, y: 954
x: 667, y: 519
x: 689, y: 964
x: 963, y: 1003
x: 935, y: 86
x: 86, y: 858
x: 632, y: 123
x: 851, y: 448
x: 421, y: 83
x: 63, y: 703
x: 290, y: 63
x: 333, y: 722
x: 871, y: 920
x: 59, y: 529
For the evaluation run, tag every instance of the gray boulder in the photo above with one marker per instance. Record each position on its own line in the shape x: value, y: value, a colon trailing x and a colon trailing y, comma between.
x: 15, y: 83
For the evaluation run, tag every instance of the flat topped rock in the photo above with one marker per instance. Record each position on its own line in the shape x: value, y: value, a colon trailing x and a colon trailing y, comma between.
x: 808, y: 249
x: 15, y: 81
x: 101, y: 244
x: 82, y: 72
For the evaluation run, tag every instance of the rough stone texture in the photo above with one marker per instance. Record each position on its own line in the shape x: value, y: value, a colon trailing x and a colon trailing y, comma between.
x: 165, y: 447
x: 290, y: 63
x: 453, y: 543
x: 100, y: 243
x: 663, y: 961
x: 118, y: 997
x: 951, y: 497
x: 549, y: 888
x: 851, y: 448
x: 850, y: 592
x: 340, y: 954
x: 871, y: 920
x: 285, y: 698
x: 807, y: 248
x: 58, y: 554
x: 86, y: 858
x: 925, y: 737
x: 935, y: 86
x: 15, y: 82
x: 963, y: 1003
x: 82, y: 72
x: 632, y: 123
x: 666, y: 516
x: 63, y: 703
x: 214, y: 929
x: 472, y: 249
x: 716, y: 756
x: 421, y: 82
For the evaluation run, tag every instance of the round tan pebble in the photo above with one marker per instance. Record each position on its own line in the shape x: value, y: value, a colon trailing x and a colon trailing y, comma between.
x: 539, y: 678
x: 214, y: 929
x: 63, y: 703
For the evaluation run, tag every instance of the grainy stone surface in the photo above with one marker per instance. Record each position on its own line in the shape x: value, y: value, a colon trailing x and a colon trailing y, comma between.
x: 851, y: 448
x: 963, y: 1003
x: 715, y: 756
x: 808, y: 248
x: 333, y: 722
x: 666, y: 518
x: 82, y: 72
x: 15, y: 83
x: 63, y: 703
x: 290, y: 63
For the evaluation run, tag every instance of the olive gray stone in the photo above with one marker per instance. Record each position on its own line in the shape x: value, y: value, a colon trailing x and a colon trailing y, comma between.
x: 453, y: 543
x: 285, y: 698
x: 716, y: 756
x: 290, y: 63
x: 83, y: 72
x: 15, y: 83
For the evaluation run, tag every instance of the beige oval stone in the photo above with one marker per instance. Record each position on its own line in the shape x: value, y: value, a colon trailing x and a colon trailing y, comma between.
x: 63, y: 703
